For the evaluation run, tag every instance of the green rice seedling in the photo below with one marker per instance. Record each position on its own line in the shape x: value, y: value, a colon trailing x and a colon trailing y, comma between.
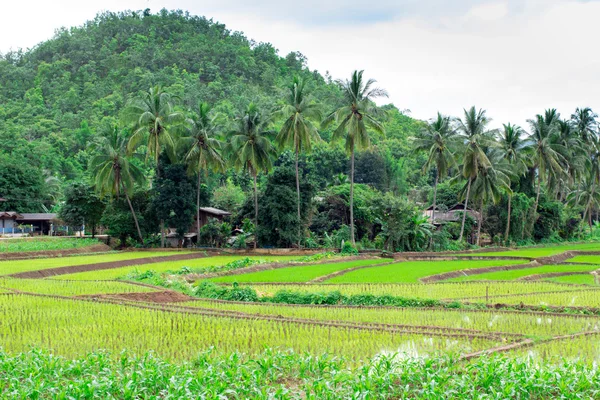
x: 578, y: 349
x: 533, y: 325
x: 68, y: 288
x: 520, y: 273
x: 72, y: 328
x: 44, y: 244
x: 17, y: 266
x: 544, y: 251
x: 195, y: 265
x: 301, y: 273
x: 587, y: 260
x: 412, y: 271
x: 580, y: 298
x: 587, y: 279
x: 432, y: 291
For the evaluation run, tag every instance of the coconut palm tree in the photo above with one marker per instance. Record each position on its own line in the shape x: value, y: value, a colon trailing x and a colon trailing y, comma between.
x: 475, y: 136
x: 587, y: 194
x: 251, y: 149
x: 438, y: 140
x: 585, y: 123
x: 113, y: 172
x: 491, y: 180
x: 298, y: 132
x: 202, y: 148
x: 354, y: 118
x: 513, y: 145
x: 547, y: 154
x: 153, y: 121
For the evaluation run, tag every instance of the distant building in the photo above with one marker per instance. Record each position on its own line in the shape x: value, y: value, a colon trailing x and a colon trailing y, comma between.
x: 12, y: 223
x: 452, y: 214
x: 205, y: 214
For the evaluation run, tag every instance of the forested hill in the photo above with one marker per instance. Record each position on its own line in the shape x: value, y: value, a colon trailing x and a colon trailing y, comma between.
x: 57, y: 96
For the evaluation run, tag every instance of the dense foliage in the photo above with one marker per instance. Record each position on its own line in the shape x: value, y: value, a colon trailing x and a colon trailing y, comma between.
x: 304, y: 159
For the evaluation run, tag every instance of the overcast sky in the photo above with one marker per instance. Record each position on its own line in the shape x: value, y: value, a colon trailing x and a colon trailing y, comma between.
x: 512, y: 57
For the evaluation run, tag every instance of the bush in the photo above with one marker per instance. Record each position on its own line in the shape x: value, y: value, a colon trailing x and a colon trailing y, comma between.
x: 348, y: 250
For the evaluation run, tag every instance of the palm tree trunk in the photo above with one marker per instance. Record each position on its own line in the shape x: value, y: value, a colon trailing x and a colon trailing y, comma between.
x: 437, y: 176
x: 135, y: 220
x: 298, y: 192
x: 537, y: 202
x: 255, y: 212
x: 462, y: 227
x: 480, y: 222
x: 162, y: 221
x: 508, y: 219
x: 198, y: 206
x: 352, y: 240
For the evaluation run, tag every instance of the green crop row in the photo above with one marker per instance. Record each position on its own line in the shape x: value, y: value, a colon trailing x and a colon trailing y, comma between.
x: 547, y: 251
x: 486, y: 321
x: 519, y: 273
x: 587, y: 279
x: 412, y: 271
x: 17, y: 266
x: 581, y: 298
x: 434, y: 291
x: 195, y: 265
x: 586, y: 259
x: 73, y: 328
x: 289, y: 375
x: 44, y: 244
x: 67, y: 288
x: 300, y: 273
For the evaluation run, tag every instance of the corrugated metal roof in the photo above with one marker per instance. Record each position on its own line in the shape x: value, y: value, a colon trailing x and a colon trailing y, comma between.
x: 37, y: 216
x: 214, y: 211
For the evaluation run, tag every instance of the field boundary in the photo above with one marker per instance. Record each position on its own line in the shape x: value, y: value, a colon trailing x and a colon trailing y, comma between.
x: 46, y: 273
x: 274, y: 265
x: 476, y: 271
x: 28, y: 255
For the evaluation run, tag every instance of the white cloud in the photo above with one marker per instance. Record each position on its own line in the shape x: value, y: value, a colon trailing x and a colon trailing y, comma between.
x: 512, y: 57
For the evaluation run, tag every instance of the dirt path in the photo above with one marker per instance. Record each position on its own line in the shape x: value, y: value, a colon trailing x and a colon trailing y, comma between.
x: 45, y: 273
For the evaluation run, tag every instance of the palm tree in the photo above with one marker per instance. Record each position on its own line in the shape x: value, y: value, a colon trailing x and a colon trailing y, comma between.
x: 203, y: 149
x: 513, y: 146
x: 114, y: 174
x: 437, y: 139
x: 153, y: 120
x: 546, y: 152
x: 475, y: 136
x: 489, y: 183
x: 585, y: 123
x: 587, y: 193
x: 298, y: 131
x: 353, y: 119
x: 251, y: 149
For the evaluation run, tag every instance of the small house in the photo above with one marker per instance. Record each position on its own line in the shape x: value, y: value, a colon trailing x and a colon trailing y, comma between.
x: 14, y: 223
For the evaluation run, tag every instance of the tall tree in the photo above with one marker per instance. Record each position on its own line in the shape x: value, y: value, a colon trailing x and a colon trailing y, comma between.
x: 475, y: 136
x: 298, y: 132
x: 202, y: 148
x: 546, y: 152
x: 585, y: 123
x: 438, y: 140
x: 153, y: 120
x: 354, y: 118
x: 114, y: 174
x: 513, y: 145
x: 251, y: 149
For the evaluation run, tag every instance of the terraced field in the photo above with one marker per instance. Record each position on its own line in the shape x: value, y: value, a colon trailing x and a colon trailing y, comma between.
x: 380, y: 318
x: 18, y: 266
x: 195, y: 264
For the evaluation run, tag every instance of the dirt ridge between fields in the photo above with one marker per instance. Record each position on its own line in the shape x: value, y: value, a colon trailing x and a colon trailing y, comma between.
x: 28, y: 255
x: 45, y: 273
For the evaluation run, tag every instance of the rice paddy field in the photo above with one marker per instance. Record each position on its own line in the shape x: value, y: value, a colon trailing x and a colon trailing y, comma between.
x: 44, y: 244
x: 277, y: 327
